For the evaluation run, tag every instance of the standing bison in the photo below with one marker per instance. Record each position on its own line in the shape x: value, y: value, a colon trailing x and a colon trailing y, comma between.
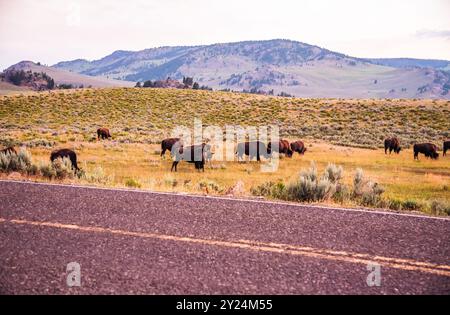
x: 167, y: 144
x: 283, y: 147
x: 446, y: 147
x: 299, y: 147
x: 254, y: 149
x: 65, y: 153
x: 196, y: 154
x: 392, y: 144
x: 103, y: 133
x: 428, y: 149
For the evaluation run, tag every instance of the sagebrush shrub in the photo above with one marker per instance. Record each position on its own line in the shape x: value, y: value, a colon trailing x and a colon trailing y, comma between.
x: 12, y: 162
x: 311, y: 188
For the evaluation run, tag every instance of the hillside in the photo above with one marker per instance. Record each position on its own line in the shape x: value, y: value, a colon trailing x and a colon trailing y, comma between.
x: 281, y: 65
x: 61, y: 76
x: 147, y: 115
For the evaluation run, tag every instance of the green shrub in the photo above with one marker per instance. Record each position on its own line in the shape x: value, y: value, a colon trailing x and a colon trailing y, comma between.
x: 395, y: 204
x: 310, y: 188
x: 47, y: 170
x: 58, y: 169
x: 12, y: 162
x: 209, y: 185
x: 63, y: 168
x: 97, y: 176
x: 133, y: 183
x: 365, y: 191
x: 410, y: 205
x: 270, y: 189
x: 439, y: 207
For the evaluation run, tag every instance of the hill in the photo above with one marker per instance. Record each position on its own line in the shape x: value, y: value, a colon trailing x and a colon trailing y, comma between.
x: 411, y: 63
x: 281, y: 65
x: 60, y: 77
x: 148, y: 115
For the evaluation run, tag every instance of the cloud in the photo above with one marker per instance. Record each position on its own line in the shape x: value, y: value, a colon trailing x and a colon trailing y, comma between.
x: 433, y: 34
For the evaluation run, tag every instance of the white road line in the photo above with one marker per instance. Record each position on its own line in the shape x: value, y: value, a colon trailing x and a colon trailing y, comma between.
x: 341, y: 256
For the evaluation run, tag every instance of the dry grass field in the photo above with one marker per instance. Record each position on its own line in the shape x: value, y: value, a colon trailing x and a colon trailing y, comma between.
x: 349, y: 133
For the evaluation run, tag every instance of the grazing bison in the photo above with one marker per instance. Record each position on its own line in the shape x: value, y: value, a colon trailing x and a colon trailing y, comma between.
x: 254, y: 149
x: 392, y: 144
x: 446, y: 147
x: 65, y: 153
x: 428, y: 149
x: 283, y: 147
x: 9, y: 150
x: 167, y: 144
x: 299, y: 147
x: 103, y: 133
x: 195, y: 154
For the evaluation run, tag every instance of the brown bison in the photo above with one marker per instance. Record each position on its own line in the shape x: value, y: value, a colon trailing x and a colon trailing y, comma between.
x: 167, y: 144
x: 65, y: 153
x: 428, y: 149
x: 446, y: 147
x: 299, y: 147
x: 196, y: 154
x: 283, y: 147
x: 392, y: 144
x: 9, y: 150
x: 103, y: 133
x: 254, y: 149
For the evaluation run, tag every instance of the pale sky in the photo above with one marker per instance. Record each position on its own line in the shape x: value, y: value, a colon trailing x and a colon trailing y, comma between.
x: 50, y: 31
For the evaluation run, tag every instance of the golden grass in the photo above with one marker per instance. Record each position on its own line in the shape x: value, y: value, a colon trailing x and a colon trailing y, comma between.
x: 403, y: 178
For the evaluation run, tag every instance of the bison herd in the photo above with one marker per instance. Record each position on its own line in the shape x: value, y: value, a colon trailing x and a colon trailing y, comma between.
x: 201, y: 153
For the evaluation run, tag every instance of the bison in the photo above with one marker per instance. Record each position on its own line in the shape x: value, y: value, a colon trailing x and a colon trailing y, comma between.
x: 103, y: 133
x: 252, y: 149
x: 283, y: 147
x: 65, y: 153
x: 167, y: 144
x: 428, y: 149
x: 9, y: 150
x: 299, y: 147
x: 446, y: 147
x: 196, y: 154
x: 392, y: 144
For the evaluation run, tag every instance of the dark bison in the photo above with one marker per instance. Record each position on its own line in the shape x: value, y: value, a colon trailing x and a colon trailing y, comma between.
x: 299, y: 147
x: 446, y: 147
x: 254, y: 149
x: 65, y: 153
x: 392, y: 144
x: 103, y: 133
x: 196, y: 154
x: 428, y: 149
x: 9, y: 150
x: 283, y: 147
x: 167, y: 144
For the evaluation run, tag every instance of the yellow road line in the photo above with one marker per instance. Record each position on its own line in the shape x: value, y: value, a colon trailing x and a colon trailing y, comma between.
x: 342, y: 256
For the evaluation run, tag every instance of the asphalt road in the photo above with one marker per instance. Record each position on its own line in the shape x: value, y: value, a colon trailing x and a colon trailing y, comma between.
x: 129, y: 242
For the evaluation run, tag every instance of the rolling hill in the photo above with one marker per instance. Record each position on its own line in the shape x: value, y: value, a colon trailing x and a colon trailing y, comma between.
x: 61, y: 76
x: 281, y: 65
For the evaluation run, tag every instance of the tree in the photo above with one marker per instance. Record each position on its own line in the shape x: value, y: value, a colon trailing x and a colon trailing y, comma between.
x: 148, y: 84
x: 196, y: 86
x: 138, y: 85
x: 188, y: 81
x: 50, y: 84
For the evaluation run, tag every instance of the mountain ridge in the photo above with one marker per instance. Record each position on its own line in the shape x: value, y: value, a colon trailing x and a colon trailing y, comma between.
x: 284, y: 65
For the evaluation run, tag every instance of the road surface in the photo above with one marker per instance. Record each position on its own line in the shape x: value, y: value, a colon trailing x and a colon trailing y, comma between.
x: 129, y: 242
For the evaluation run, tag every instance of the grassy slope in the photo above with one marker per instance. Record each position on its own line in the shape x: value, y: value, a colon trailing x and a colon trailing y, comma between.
x: 141, y: 117
x: 147, y: 115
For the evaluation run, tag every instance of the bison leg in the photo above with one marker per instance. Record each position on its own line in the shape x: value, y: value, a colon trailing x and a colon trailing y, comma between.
x: 174, y: 165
